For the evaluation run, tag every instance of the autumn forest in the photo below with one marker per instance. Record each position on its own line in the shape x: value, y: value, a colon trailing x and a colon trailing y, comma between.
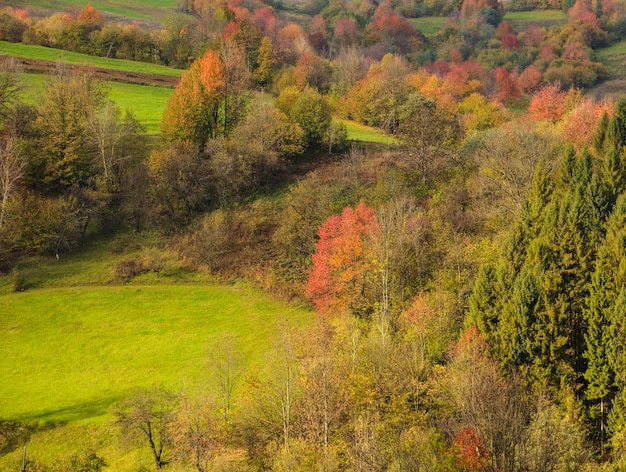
x: 443, y: 207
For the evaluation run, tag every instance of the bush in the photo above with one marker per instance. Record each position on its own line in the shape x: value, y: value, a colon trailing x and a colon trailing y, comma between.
x: 128, y: 269
x: 18, y: 281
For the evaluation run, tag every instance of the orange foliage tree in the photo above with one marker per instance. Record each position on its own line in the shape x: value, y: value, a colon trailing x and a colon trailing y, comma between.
x: 192, y: 112
x: 90, y: 15
x: 551, y: 103
x: 580, y: 124
x: 339, y: 280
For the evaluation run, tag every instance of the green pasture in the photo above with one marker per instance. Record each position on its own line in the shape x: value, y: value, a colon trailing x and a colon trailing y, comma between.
x: 28, y: 51
x: 147, y: 102
x: 610, y: 51
x: 428, y: 25
x: 143, y: 9
x: 522, y: 19
x: 363, y: 133
x: 75, y: 342
x: 614, y: 58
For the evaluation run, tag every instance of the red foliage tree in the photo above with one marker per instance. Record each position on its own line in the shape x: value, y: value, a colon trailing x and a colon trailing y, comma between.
x: 465, y: 78
x: 394, y: 29
x: 342, y: 263
x: 90, y: 15
x: 505, y: 86
x: 546, y: 55
x: 318, y: 34
x: 21, y: 13
x: 345, y: 31
x: 509, y: 41
x: 575, y: 51
x: 503, y: 29
x: 265, y: 21
x: 530, y: 79
x: 470, y: 451
x: 533, y: 36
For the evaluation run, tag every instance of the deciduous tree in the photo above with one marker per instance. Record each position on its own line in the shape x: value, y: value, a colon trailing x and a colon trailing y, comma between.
x: 146, y: 417
x: 340, y: 278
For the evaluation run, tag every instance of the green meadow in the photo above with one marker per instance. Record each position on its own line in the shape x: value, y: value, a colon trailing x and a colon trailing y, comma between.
x: 147, y: 102
x: 523, y: 19
x: 536, y: 15
x: 367, y: 134
x: 76, y: 342
x: 28, y: 51
x: 428, y: 25
x: 141, y: 9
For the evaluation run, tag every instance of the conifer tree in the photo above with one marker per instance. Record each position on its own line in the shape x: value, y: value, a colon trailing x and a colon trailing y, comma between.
x: 600, y: 135
x: 518, y: 320
x: 599, y: 373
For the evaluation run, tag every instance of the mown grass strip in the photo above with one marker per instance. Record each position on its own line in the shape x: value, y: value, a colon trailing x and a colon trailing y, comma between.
x: 41, y: 53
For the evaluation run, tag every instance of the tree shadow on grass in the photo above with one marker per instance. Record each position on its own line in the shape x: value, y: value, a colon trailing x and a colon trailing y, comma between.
x: 15, y: 433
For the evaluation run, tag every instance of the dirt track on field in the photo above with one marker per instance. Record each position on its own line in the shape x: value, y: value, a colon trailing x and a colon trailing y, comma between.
x: 49, y: 67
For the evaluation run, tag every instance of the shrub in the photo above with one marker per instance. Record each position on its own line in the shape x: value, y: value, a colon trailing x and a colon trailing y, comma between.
x: 128, y: 269
x: 18, y: 281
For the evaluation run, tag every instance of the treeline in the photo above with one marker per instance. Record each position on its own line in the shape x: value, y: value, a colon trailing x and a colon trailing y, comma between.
x: 475, y: 46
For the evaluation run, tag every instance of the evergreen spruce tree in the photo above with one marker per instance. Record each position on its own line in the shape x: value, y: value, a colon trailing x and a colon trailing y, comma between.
x: 599, y: 374
x: 518, y: 320
x: 598, y: 142
x: 617, y: 358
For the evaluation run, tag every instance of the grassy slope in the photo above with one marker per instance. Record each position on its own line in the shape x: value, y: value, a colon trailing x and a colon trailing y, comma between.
x: 148, y: 9
x: 51, y: 54
x: 367, y: 134
x: 429, y: 25
x: 614, y: 58
x: 75, y: 342
x: 147, y: 102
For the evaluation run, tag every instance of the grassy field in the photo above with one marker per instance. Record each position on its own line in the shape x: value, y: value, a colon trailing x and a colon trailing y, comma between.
x: 50, y: 54
x: 428, y: 25
x: 146, y: 101
x: 367, y: 134
x: 614, y: 58
x: 144, y: 9
x: 522, y: 19
x: 75, y: 342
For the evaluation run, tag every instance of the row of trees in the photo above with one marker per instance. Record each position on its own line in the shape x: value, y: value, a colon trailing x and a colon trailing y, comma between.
x: 341, y: 396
